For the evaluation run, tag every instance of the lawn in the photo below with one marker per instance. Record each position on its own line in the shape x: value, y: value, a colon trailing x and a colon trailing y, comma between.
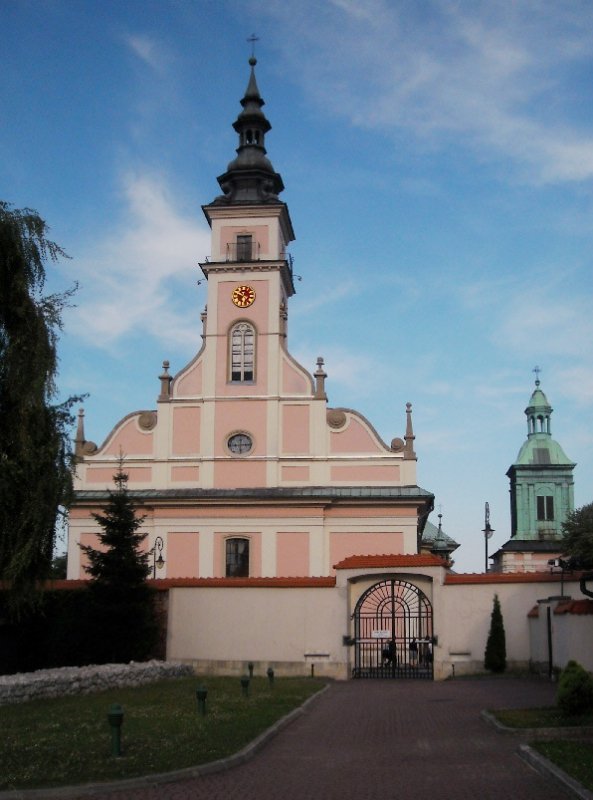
x: 67, y: 741
x: 575, y: 758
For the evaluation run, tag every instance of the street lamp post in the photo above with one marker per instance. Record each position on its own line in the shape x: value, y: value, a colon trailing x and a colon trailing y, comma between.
x: 158, y: 562
x: 488, y: 531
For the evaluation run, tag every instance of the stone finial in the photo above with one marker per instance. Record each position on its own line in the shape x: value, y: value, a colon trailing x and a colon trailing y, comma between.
x: 165, y: 380
x: 82, y: 447
x: 409, y: 437
x: 204, y: 318
x: 79, y: 439
x: 320, y: 376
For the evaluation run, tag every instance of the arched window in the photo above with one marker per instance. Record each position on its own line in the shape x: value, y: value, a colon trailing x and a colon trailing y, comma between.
x: 237, y: 558
x: 242, y: 347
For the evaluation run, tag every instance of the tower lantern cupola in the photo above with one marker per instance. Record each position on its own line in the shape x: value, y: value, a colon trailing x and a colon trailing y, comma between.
x: 250, y: 178
x: 538, y: 413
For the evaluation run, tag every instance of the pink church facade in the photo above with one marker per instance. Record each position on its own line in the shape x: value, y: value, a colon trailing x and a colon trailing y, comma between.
x: 288, y: 533
x: 243, y: 469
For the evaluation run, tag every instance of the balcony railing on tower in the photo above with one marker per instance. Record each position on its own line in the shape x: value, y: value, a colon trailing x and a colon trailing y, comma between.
x: 244, y: 249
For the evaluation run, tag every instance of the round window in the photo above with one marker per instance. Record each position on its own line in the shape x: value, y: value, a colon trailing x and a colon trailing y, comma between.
x: 240, y: 443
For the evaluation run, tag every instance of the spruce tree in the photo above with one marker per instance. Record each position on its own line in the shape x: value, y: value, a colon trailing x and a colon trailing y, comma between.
x: 495, y: 656
x: 36, y: 458
x: 123, y: 618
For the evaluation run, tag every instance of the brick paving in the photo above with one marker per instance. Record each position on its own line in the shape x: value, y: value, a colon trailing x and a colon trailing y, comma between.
x: 381, y: 740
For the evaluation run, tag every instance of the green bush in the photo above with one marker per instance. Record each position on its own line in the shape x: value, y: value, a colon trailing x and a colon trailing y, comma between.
x: 575, y: 689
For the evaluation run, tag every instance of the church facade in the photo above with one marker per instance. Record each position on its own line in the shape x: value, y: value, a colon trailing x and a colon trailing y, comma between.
x: 283, y: 531
x: 243, y: 468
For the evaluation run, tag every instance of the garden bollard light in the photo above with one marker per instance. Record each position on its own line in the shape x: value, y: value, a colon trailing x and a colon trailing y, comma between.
x: 115, y: 717
x: 250, y: 668
x: 201, y: 694
x: 270, y: 674
x: 245, y: 685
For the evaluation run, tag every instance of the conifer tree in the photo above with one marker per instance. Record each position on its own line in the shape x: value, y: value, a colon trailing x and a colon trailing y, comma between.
x: 123, y: 617
x: 495, y: 656
x: 36, y: 457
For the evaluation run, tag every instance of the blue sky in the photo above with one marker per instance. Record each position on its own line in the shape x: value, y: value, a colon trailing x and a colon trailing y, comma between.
x: 438, y: 164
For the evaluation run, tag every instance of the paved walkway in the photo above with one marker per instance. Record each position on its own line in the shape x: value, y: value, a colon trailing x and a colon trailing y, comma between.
x: 410, y: 740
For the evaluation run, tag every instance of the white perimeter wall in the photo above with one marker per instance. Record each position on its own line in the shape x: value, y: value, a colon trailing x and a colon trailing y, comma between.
x: 462, y: 622
x: 220, y: 629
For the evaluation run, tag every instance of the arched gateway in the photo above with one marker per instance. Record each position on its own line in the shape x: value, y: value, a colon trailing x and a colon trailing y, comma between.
x: 393, y: 632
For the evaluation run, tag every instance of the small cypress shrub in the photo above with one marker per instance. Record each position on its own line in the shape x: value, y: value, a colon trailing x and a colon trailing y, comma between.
x: 575, y: 690
x: 495, y: 656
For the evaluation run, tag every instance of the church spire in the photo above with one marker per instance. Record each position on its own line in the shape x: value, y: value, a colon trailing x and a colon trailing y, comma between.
x: 250, y: 178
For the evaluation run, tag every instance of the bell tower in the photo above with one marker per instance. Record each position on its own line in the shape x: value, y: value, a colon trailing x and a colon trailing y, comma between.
x: 249, y: 271
x: 541, y: 478
x: 541, y: 493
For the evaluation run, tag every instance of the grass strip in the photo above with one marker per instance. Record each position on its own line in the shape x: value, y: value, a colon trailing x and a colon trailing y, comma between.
x: 574, y: 758
x: 549, y: 717
x: 67, y: 741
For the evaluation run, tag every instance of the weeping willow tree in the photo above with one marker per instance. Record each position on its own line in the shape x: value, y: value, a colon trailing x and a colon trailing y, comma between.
x: 36, y: 458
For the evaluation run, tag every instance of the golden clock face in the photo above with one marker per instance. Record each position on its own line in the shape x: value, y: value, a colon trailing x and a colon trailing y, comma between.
x: 243, y: 296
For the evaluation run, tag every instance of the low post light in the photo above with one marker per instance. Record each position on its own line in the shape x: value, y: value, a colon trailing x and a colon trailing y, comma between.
x: 202, y: 694
x: 115, y: 717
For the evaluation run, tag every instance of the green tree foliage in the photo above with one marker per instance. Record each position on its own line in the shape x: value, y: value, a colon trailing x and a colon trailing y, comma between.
x: 577, y: 532
x: 495, y: 656
x: 123, y: 611
x: 36, y: 458
x: 575, y: 689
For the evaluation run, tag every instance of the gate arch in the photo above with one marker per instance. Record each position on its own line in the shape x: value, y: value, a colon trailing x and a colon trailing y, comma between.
x: 388, y: 619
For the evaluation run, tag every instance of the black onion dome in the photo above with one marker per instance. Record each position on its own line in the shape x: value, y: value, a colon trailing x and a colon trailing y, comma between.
x: 250, y: 178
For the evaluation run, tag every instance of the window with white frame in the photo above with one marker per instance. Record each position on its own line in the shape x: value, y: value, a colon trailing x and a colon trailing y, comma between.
x: 242, y: 355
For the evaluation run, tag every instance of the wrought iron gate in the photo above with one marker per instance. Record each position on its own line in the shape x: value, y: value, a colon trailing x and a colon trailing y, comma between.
x: 393, y: 632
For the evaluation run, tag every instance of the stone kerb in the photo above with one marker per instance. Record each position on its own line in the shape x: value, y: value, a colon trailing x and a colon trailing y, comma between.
x: 26, y: 686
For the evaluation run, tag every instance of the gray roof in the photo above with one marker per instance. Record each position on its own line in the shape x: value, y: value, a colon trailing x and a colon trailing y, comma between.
x: 431, y: 532
x: 273, y: 493
x: 534, y: 546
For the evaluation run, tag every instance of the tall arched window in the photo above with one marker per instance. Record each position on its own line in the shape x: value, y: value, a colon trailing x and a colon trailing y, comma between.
x: 242, y: 346
x: 237, y: 558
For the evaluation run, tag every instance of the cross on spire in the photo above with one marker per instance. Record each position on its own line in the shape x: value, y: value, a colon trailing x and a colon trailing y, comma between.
x: 537, y: 371
x: 253, y: 39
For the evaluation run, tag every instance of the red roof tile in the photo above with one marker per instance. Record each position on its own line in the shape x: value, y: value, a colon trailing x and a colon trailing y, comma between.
x: 242, y: 583
x: 503, y: 577
x: 394, y: 560
x: 575, y: 607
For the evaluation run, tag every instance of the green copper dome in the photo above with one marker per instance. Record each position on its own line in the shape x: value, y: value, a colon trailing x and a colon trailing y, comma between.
x: 540, y: 449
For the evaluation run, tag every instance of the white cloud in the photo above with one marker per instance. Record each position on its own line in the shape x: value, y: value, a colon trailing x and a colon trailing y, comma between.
x: 577, y: 383
x: 490, y: 75
x: 538, y: 316
x: 126, y: 286
x: 148, y: 50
